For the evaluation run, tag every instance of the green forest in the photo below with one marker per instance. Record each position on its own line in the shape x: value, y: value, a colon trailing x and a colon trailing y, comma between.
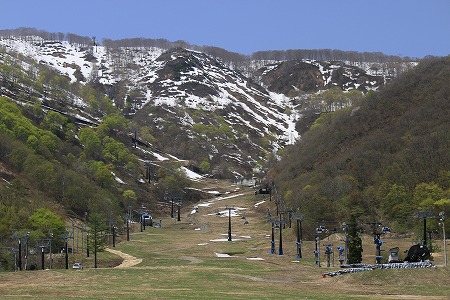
x: 384, y: 159
x: 55, y: 169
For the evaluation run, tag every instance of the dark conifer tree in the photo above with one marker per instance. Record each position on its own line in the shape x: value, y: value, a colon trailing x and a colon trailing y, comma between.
x: 354, y: 242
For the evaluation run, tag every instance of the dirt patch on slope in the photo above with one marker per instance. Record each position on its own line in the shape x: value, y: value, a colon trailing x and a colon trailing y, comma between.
x: 128, y: 260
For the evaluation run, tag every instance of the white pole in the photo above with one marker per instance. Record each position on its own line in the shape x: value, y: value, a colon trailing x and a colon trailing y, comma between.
x: 442, y: 219
x: 73, y: 236
x: 445, y: 244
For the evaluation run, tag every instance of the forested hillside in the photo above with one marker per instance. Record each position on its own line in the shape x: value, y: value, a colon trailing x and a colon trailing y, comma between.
x: 384, y: 159
x: 44, y: 163
x: 53, y: 170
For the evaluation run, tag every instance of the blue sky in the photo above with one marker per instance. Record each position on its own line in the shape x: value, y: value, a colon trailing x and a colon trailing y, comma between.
x: 414, y: 28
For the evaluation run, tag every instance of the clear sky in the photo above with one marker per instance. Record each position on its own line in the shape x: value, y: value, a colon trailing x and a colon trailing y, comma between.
x: 414, y: 28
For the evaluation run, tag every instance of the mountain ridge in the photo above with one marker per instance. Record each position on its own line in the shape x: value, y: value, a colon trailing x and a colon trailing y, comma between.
x: 261, y: 108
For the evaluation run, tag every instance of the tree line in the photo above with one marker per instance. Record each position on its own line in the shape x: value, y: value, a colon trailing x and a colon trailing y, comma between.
x: 223, y: 54
x: 269, y: 55
x: 29, y: 33
x: 327, y: 54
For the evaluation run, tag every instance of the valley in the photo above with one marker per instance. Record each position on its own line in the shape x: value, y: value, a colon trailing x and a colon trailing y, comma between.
x: 192, y: 258
x: 225, y: 151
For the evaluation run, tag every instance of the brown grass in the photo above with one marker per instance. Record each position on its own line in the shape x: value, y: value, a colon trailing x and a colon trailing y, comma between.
x: 179, y: 262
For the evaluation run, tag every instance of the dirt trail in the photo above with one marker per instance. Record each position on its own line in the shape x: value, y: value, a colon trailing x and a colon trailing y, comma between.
x: 128, y: 260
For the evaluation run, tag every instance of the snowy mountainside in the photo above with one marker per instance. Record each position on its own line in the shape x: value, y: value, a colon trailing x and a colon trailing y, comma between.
x: 228, y: 119
x: 195, y: 81
x: 69, y: 59
x: 198, y: 107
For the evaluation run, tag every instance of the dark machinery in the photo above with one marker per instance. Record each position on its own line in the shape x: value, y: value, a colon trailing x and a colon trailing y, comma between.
x: 418, y: 253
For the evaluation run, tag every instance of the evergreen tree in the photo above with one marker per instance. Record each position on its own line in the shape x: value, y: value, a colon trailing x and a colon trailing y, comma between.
x: 354, y: 242
x: 97, y: 240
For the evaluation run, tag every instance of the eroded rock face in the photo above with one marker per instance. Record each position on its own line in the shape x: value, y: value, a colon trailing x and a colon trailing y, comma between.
x: 305, y: 76
x: 289, y: 75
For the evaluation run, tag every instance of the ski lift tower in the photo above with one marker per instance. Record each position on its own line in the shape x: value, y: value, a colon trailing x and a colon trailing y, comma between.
x: 425, y: 216
x: 277, y: 224
x: 299, y: 217
x: 230, y: 208
x: 179, y: 202
x: 377, y: 239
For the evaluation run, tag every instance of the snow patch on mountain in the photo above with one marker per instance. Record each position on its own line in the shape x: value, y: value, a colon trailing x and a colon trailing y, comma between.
x: 182, y: 81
